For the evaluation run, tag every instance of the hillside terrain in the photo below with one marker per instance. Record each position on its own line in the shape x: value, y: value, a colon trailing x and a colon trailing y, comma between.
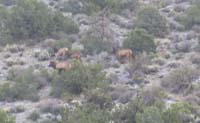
x: 99, y: 61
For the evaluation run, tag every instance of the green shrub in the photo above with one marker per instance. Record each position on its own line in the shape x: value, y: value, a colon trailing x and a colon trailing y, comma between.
x: 87, y: 114
x: 62, y: 43
x: 128, y: 114
x: 113, y: 5
x: 151, y: 20
x: 34, y: 116
x: 74, y: 7
x: 33, y: 19
x: 4, y: 36
x: 94, y: 45
x: 129, y: 4
x: 26, y: 84
x: 5, y: 91
x: 8, y: 2
x: 137, y: 112
x: 150, y: 115
x: 5, y: 118
x: 140, y: 41
x: 191, y: 17
x: 100, y: 3
x: 174, y: 114
x: 77, y: 79
x: 100, y: 98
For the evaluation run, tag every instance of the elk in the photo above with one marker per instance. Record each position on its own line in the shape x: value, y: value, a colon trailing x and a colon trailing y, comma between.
x: 125, y: 53
x: 60, y: 65
x: 76, y: 55
x: 62, y: 52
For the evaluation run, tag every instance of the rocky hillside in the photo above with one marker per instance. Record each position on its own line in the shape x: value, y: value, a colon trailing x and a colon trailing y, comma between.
x: 124, y: 61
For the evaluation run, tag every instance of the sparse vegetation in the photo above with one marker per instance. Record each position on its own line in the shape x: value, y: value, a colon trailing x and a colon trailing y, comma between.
x: 151, y: 20
x: 100, y: 98
x: 180, y: 80
x: 94, y: 45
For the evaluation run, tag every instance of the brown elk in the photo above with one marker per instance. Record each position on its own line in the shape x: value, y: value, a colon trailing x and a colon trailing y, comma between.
x: 125, y: 53
x: 76, y: 55
x: 60, y: 65
x: 62, y: 52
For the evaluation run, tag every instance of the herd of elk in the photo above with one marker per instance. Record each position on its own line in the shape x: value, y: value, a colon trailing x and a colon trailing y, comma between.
x: 64, y: 65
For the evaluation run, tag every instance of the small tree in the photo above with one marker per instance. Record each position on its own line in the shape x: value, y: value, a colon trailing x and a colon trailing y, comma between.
x: 151, y: 20
x: 140, y: 41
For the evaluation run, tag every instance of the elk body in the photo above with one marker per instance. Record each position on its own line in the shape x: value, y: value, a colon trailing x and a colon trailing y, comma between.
x: 60, y: 65
x: 76, y: 55
x: 62, y: 52
x: 125, y: 53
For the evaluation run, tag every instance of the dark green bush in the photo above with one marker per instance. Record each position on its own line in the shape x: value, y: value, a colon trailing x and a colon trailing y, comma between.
x: 191, y: 17
x: 26, y: 84
x: 151, y: 20
x: 90, y: 7
x: 140, y: 41
x: 34, y: 116
x: 79, y: 78
x: 62, y: 43
x: 129, y: 4
x: 97, y: 5
x: 173, y: 114
x: 86, y: 114
x: 128, y: 114
x: 33, y: 19
x: 100, y: 98
x: 74, y: 7
x: 18, y: 91
x: 137, y: 112
x: 150, y: 115
x: 94, y: 45
x: 5, y: 118
x: 5, y: 91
